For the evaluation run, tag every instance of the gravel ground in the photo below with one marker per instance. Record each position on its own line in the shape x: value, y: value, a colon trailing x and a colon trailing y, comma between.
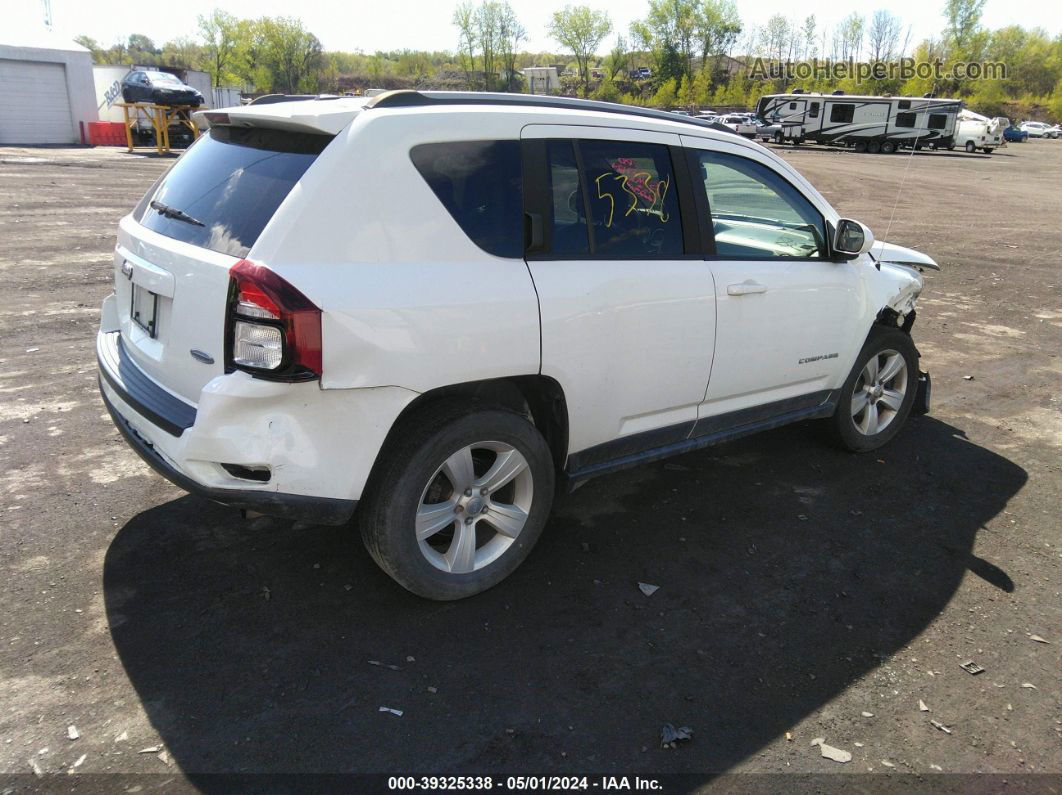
x: 804, y: 593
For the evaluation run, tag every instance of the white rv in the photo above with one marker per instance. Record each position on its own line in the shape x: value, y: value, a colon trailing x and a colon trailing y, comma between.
x: 870, y: 124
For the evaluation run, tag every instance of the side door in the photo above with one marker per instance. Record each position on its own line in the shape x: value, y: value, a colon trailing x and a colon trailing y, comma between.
x: 787, y: 316
x: 627, y: 302
x: 131, y: 90
x: 142, y: 87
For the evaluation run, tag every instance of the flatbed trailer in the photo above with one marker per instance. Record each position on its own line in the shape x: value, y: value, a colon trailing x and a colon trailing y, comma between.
x: 159, y: 118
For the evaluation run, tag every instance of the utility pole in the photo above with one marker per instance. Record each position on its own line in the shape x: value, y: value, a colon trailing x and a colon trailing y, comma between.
x: 47, y: 13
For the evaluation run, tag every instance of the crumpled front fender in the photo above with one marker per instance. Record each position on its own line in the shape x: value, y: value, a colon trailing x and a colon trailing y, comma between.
x: 899, y: 255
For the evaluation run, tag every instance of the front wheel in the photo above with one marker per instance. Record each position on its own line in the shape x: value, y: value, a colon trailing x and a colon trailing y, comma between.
x: 458, y: 500
x: 877, y: 396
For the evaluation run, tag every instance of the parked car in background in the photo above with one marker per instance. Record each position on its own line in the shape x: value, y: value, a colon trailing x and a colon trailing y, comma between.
x: 1057, y: 130
x: 739, y: 123
x: 973, y: 134
x: 769, y: 132
x: 1037, y: 129
x: 264, y: 352
x: 1015, y: 135
x: 641, y: 73
x: 159, y: 88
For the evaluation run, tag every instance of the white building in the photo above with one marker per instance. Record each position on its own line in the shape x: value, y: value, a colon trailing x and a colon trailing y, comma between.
x: 541, y: 79
x: 47, y: 93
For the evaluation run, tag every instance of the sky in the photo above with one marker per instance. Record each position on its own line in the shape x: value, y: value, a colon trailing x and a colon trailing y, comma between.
x: 370, y: 25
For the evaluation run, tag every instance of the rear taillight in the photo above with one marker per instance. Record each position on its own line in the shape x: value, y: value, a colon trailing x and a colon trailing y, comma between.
x: 274, y: 331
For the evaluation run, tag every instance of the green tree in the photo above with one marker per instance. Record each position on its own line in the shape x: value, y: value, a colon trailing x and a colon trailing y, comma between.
x: 141, y: 50
x: 291, y: 55
x: 92, y: 46
x: 220, y: 33
x: 668, y: 34
x: 717, y: 27
x: 465, y: 19
x: 182, y: 53
x: 884, y: 34
x: 964, y: 20
x: 666, y: 95
x: 618, y: 61
x: 606, y: 91
x: 701, y: 89
x: 684, y: 95
x: 581, y: 29
x: 510, y: 34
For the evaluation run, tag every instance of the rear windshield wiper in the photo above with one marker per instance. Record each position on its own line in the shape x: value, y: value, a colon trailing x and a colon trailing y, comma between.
x: 174, y: 213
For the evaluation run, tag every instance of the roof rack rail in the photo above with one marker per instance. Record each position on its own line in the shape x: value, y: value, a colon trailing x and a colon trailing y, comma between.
x: 408, y: 98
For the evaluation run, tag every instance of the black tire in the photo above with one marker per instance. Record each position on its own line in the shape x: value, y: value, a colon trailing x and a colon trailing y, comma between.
x: 888, y: 147
x: 412, y: 456
x: 971, y: 147
x: 873, y: 147
x: 779, y: 138
x: 843, y: 424
x: 988, y: 150
x: 860, y: 146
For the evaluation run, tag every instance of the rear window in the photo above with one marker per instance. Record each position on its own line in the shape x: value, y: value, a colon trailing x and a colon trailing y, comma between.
x: 227, y: 186
x: 479, y: 183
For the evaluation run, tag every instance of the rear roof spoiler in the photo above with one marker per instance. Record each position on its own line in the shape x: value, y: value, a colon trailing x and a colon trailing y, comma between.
x: 272, y: 99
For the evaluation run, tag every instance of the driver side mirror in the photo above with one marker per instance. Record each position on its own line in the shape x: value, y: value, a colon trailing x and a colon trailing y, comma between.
x: 852, y: 239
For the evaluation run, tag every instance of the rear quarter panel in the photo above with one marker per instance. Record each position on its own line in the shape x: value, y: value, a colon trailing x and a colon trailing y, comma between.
x: 407, y: 298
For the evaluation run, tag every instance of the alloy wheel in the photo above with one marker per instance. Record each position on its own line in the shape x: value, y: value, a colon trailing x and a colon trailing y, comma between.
x: 879, y: 392
x: 474, y: 507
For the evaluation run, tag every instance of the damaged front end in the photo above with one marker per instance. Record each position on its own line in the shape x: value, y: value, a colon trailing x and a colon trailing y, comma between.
x: 904, y: 267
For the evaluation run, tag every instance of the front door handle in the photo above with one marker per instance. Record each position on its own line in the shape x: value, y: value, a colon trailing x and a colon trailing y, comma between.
x: 746, y: 288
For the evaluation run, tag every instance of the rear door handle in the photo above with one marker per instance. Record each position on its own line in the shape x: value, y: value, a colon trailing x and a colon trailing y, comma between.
x: 746, y: 288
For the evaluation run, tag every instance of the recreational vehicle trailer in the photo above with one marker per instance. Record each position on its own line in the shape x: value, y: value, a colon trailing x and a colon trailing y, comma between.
x: 870, y: 124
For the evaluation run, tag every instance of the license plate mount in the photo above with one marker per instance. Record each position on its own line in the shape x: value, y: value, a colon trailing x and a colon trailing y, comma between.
x: 144, y: 310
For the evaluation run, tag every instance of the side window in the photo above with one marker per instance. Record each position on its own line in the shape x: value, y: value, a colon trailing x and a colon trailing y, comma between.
x: 633, y: 208
x: 906, y: 119
x: 842, y: 113
x: 568, y: 221
x: 479, y: 183
x: 755, y: 213
x: 904, y: 104
x: 814, y: 110
x: 937, y: 121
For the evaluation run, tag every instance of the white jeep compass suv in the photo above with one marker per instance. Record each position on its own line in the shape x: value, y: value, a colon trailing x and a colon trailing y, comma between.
x: 435, y: 308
